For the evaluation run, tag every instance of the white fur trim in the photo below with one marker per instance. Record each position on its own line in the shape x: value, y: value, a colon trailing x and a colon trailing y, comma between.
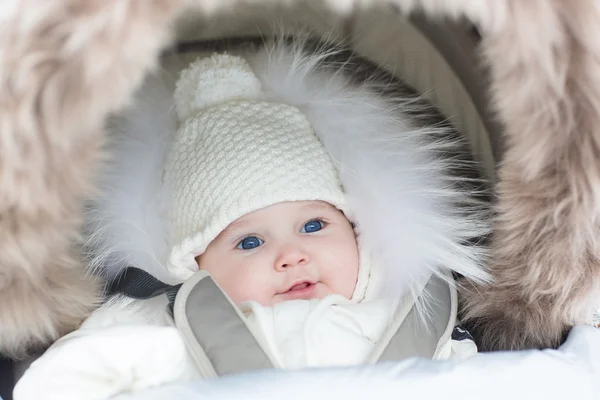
x: 409, y: 210
x: 406, y: 203
x: 126, y: 224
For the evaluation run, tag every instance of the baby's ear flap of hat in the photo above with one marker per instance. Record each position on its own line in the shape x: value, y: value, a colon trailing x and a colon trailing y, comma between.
x: 212, y: 81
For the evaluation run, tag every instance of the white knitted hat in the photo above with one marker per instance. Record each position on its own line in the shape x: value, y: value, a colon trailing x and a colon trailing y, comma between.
x: 235, y: 153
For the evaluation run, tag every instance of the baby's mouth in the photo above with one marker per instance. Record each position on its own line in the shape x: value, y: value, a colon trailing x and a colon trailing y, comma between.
x: 300, y: 286
x: 301, y: 290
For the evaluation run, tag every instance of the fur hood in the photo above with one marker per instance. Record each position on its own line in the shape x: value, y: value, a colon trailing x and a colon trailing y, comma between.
x: 411, y: 212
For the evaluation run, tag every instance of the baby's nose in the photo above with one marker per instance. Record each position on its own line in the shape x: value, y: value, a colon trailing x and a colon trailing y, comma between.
x: 291, y: 257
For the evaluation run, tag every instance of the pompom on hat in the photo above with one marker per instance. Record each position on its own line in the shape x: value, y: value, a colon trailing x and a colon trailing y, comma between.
x: 236, y: 153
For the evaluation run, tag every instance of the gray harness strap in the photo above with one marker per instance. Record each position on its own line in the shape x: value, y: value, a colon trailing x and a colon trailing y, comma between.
x: 417, y: 336
x: 215, y: 332
x: 221, y: 343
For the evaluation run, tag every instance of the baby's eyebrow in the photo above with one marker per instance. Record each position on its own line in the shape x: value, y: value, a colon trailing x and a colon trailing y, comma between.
x: 319, y: 206
x: 234, y: 228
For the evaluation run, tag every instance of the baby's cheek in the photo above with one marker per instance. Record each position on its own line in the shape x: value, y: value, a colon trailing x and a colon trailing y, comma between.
x: 244, y: 287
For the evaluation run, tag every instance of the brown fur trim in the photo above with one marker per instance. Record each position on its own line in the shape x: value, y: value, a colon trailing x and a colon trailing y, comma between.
x: 64, y: 64
x: 546, y: 246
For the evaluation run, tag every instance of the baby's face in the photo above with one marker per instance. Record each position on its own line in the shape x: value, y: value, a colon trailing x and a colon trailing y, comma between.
x: 290, y: 250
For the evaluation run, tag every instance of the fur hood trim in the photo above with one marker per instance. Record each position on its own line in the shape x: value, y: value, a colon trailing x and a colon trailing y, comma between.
x: 410, y: 210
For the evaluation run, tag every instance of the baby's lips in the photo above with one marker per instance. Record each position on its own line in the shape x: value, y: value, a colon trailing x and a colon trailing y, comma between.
x: 300, y: 286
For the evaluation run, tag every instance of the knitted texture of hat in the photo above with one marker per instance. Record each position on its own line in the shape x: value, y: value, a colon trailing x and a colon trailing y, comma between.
x: 235, y: 153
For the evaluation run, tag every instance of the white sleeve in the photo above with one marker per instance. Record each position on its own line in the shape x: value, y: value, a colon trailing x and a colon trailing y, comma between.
x: 101, y: 363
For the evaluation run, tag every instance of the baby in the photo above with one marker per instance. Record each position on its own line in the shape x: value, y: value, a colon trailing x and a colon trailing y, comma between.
x: 255, y: 200
x: 302, y: 250
x: 258, y: 204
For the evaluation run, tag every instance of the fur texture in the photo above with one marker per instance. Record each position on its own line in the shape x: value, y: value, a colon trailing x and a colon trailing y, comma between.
x: 545, y: 261
x: 126, y: 225
x: 409, y: 209
x: 63, y: 66
x: 546, y: 245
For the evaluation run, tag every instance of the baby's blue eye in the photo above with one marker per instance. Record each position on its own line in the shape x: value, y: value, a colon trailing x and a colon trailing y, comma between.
x: 249, y: 243
x: 312, y: 226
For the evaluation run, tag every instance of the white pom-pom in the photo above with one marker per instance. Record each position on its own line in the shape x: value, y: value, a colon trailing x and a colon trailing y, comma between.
x: 212, y: 81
